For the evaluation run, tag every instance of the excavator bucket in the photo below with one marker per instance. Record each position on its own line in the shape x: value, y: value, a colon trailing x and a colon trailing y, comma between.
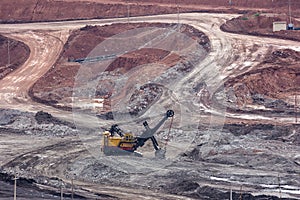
x: 160, y: 154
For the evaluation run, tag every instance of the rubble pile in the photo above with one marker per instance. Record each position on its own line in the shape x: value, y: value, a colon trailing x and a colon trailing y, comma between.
x: 270, y: 88
x: 143, y: 97
x: 56, y: 87
x: 40, y: 124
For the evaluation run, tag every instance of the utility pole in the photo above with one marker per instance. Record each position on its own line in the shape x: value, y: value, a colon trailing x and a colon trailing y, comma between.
x: 128, y: 11
x: 295, y: 108
x: 8, y: 52
x: 279, y: 186
x: 290, y: 12
x: 241, y: 193
x: 61, y: 190
x: 15, y: 187
x: 177, y: 6
x: 72, y: 183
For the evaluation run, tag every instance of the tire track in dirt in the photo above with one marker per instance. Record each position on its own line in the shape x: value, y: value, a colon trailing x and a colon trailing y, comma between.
x: 226, y: 57
x: 230, y: 56
x: 222, y: 59
x: 18, y: 85
x: 57, y: 154
x: 45, y: 48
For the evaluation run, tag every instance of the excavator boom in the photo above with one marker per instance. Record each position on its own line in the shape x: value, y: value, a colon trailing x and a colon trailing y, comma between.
x: 115, y: 142
x: 150, y: 132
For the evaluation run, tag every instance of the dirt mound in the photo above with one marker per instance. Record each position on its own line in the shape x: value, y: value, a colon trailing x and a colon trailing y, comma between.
x: 18, y: 54
x: 40, y: 124
x: 128, y: 61
x: 56, y: 86
x: 271, y: 86
x: 260, y: 25
x: 45, y: 118
x: 142, y: 97
x: 276, y: 80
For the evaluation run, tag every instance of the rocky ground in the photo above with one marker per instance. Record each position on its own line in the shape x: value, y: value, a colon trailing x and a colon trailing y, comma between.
x: 41, y: 122
x: 270, y: 88
x: 195, y: 172
x: 56, y: 86
x: 253, y: 158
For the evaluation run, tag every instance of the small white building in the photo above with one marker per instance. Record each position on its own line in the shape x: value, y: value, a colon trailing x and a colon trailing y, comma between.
x: 278, y: 26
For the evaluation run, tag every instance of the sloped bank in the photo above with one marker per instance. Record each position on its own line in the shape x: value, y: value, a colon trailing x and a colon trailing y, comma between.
x: 55, y: 88
x: 259, y: 24
x: 13, y: 54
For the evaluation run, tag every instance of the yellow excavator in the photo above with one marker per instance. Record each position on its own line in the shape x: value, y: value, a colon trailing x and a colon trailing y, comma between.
x: 115, y: 142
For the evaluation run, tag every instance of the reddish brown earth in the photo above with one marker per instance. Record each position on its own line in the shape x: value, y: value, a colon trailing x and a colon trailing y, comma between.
x: 248, y: 157
x: 275, y: 81
x: 52, y: 87
x: 36, y: 10
x: 261, y: 25
x: 56, y: 86
x: 19, y: 53
x: 277, y: 78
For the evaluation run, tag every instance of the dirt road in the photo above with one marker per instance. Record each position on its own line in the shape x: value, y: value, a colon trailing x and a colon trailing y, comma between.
x: 45, y: 47
x: 46, y: 41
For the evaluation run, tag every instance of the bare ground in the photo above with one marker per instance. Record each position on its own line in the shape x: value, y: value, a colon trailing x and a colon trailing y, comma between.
x: 34, y: 10
x: 259, y: 157
x: 18, y: 54
x: 56, y: 86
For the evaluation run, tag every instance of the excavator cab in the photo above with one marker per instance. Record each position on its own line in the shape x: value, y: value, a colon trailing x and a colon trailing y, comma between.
x: 115, y: 142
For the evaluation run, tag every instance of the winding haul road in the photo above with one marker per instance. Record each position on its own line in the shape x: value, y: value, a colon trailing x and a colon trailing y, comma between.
x: 46, y: 41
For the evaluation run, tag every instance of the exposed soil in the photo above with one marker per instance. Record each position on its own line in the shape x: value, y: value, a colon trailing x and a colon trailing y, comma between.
x: 56, y: 86
x: 261, y: 157
x: 36, y: 10
x: 18, y: 54
x: 194, y: 190
x: 261, y: 25
x: 272, y: 85
x: 240, y: 154
x: 36, y: 193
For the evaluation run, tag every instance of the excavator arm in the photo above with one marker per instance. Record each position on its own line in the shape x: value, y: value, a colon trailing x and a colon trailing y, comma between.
x: 149, y: 134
